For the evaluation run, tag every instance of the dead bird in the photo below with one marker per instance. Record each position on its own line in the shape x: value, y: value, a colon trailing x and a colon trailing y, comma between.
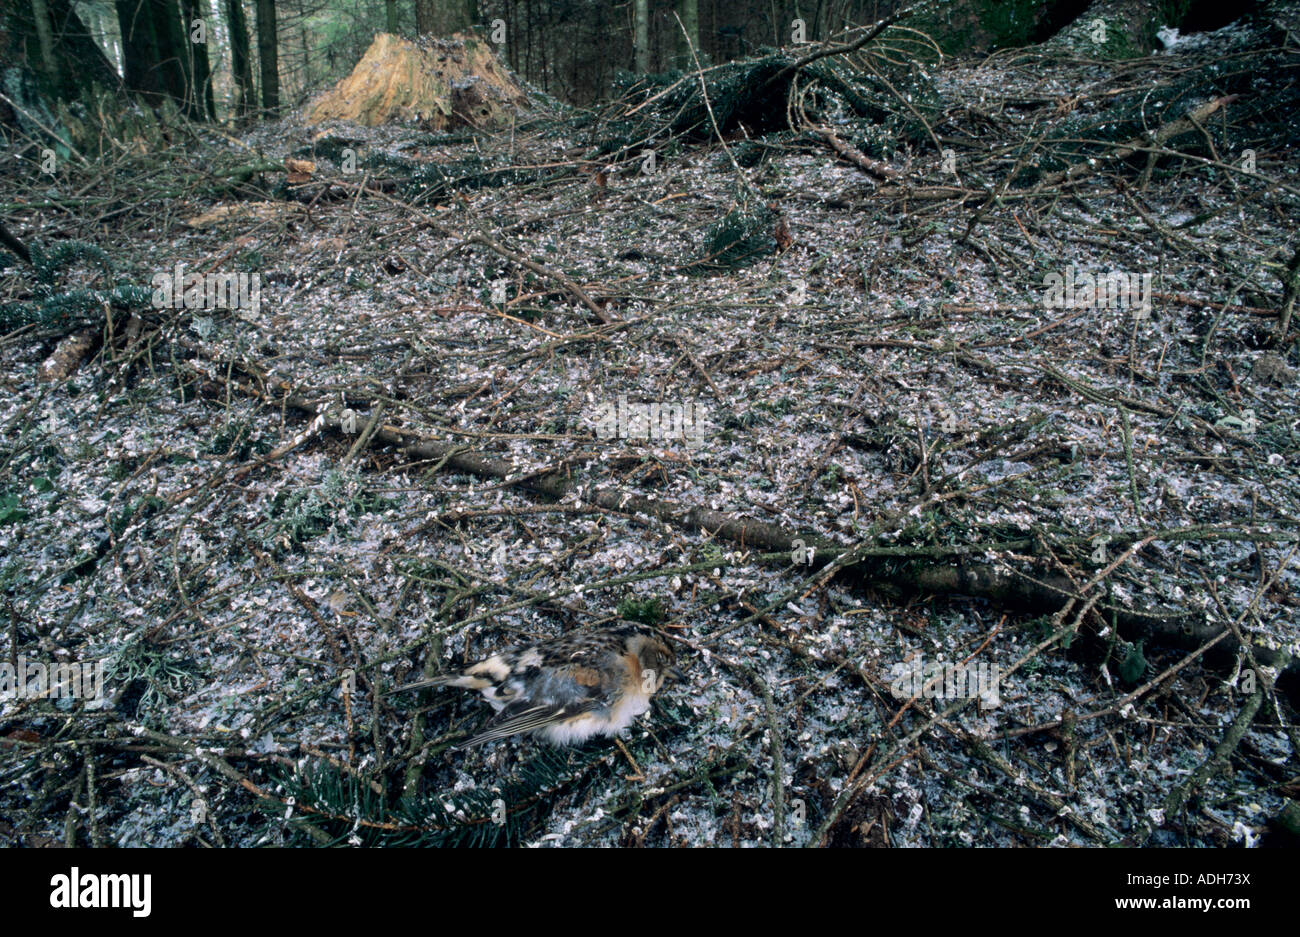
x: 570, y: 688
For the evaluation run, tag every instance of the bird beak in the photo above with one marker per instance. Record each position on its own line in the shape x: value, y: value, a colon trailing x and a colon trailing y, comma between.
x: 675, y: 674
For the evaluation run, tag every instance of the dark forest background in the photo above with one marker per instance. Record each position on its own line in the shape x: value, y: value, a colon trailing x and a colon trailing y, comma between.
x: 228, y: 59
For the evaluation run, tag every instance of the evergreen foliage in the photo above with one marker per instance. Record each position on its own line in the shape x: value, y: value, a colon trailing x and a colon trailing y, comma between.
x: 56, y: 308
x: 347, y: 809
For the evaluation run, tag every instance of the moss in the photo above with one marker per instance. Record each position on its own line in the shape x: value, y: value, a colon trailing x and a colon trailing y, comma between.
x: 646, y: 611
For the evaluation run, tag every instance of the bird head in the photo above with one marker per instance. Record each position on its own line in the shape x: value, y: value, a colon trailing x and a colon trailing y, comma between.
x: 656, y: 656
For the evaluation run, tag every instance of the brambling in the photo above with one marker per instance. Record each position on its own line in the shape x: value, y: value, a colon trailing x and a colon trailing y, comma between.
x: 570, y: 688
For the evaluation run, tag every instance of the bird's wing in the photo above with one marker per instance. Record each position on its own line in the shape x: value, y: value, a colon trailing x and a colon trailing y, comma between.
x: 524, y: 717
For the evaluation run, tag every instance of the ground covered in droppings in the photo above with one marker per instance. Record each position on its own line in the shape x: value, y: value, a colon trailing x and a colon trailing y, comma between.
x: 400, y: 460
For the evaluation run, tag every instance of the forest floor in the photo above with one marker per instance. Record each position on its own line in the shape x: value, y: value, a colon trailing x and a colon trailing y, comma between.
x: 266, y: 518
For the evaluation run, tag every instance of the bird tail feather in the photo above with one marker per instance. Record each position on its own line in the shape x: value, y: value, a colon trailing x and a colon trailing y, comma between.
x: 430, y: 682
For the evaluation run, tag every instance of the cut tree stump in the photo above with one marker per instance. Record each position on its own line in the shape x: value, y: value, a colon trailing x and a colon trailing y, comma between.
x: 439, y: 83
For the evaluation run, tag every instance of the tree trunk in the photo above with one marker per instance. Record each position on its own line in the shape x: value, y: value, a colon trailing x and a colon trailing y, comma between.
x: 641, y: 37
x: 241, y: 67
x: 139, y: 48
x: 198, y: 66
x: 173, y: 44
x: 390, y: 15
x: 688, y: 11
x: 47, y: 64
x: 268, y: 53
x: 152, y: 49
x: 444, y: 17
x: 306, y: 58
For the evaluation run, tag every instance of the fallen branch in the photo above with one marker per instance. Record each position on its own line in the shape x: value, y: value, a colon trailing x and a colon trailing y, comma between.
x: 18, y: 247
x: 1081, y: 170
x: 547, y: 272
x: 855, y: 156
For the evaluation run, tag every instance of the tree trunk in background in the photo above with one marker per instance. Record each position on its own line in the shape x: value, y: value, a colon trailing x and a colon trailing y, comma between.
x: 444, y: 17
x: 390, y: 15
x: 241, y: 67
x: 306, y: 58
x: 269, y: 55
x: 47, y: 62
x: 641, y: 37
x: 198, y: 66
x: 152, y: 49
x: 139, y: 48
x: 688, y: 11
x: 173, y: 43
